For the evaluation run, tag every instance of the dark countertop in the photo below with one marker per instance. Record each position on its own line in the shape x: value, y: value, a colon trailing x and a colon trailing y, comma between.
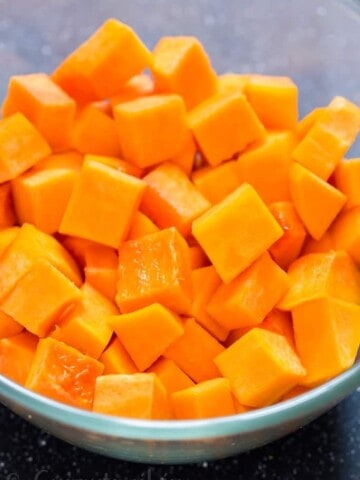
x: 315, y: 42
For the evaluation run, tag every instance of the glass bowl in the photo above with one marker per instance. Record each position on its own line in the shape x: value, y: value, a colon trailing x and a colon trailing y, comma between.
x: 314, y: 42
x: 176, y: 441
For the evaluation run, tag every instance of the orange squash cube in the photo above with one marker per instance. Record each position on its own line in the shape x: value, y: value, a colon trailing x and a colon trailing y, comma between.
x: 322, y: 275
x: 140, y: 395
x: 116, y: 359
x: 182, y: 66
x: 41, y: 196
x: 155, y: 269
x: 45, y: 104
x: 171, y: 199
x: 224, y: 125
x: 247, y: 299
x: 151, y: 129
x: 95, y: 133
x: 316, y: 201
x: 40, y: 297
x: 266, y: 165
x: 170, y: 375
x: 194, y: 352
x: 18, y: 156
x: 63, y: 373
x: 102, y: 63
x: 236, y: 231
x: 28, y: 248
x: 16, y: 356
x: 328, y: 140
x: 328, y: 346
x: 85, y: 327
x: 212, y: 398
x: 101, y: 194
x: 261, y: 367
x: 274, y: 99
x: 146, y: 333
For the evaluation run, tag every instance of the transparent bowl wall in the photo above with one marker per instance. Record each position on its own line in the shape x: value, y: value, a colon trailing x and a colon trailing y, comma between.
x: 314, y: 42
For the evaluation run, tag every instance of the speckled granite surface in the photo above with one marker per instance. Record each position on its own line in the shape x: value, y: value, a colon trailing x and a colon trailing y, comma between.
x: 314, y: 41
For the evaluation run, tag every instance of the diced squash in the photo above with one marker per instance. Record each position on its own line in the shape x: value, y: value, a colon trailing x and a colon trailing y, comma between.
x: 212, y: 398
x: 7, y: 212
x: 232, y: 82
x: 8, y: 326
x: 151, y: 129
x: 40, y: 297
x: 140, y: 395
x: 182, y: 66
x: 247, y: 299
x: 329, y: 345
x: 141, y: 225
x: 261, y: 367
x: 194, y: 352
x: 308, y: 121
x: 324, y: 244
x: 198, y: 259
x: 16, y: 356
x: 205, y: 282
x: 322, y: 275
x: 185, y: 159
x: 316, y: 201
x: 274, y: 99
x: 30, y: 246
x: 116, y: 359
x: 171, y: 199
x: 347, y: 180
x: 155, y: 269
x: 345, y: 233
x: 174, y: 244
x: 287, y: 249
x: 224, y: 125
x: 101, y: 194
x: 48, y: 107
x: 7, y: 236
x: 104, y: 62
x: 280, y: 322
x: 329, y: 138
x: 21, y: 146
x: 216, y: 183
x: 236, y: 231
x: 276, y: 321
x: 41, y: 197
x: 170, y: 375
x: 101, y: 269
x: 140, y: 85
x: 86, y: 327
x: 146, y: 333
x: 95, y: 133
x: 265, y: 165
x: 64, y: 374
x: 294, y: 392
x: 67, y: 160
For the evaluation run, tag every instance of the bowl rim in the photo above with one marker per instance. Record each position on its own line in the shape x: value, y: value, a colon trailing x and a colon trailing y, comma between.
x: 305, y: 404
